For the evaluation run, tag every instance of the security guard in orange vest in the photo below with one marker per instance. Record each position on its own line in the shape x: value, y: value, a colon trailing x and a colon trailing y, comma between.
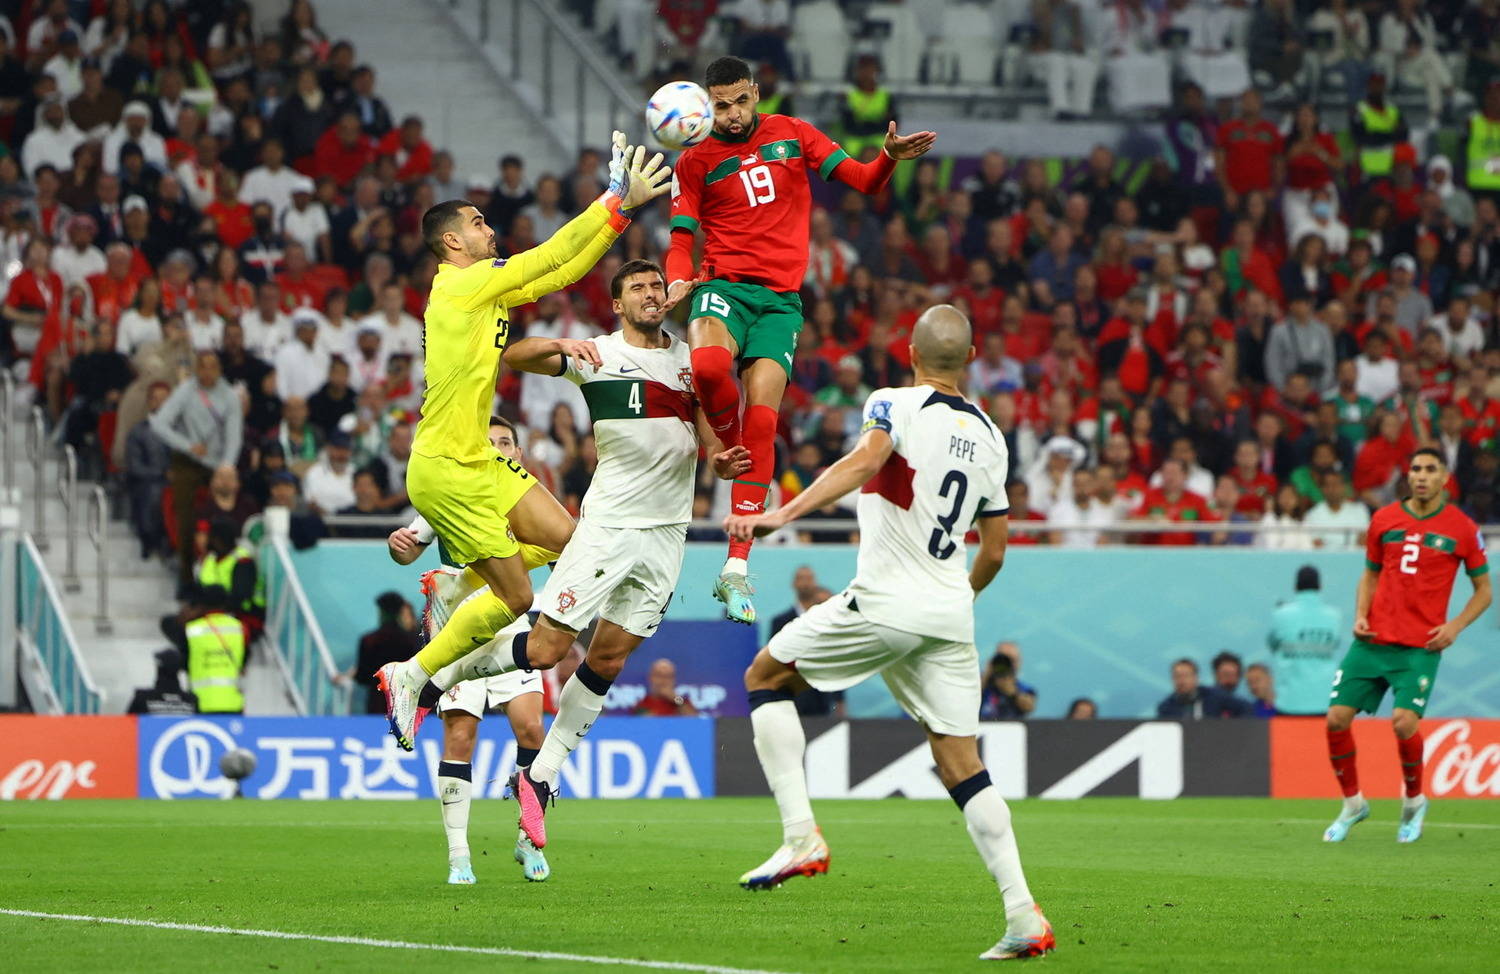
x: 216, y: 653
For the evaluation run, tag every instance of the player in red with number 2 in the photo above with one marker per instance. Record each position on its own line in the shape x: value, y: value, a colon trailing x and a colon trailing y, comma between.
x: 1401, y: 627
x: 746, y: 187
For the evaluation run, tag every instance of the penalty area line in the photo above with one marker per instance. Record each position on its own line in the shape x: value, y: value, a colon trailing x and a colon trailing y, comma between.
x: 656, y: 965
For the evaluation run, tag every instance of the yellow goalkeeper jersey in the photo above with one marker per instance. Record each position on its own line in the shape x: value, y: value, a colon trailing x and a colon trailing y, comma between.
x: 468, y: 321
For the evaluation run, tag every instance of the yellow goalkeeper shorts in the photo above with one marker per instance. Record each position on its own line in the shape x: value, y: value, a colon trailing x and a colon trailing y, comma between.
x: 468, y: 505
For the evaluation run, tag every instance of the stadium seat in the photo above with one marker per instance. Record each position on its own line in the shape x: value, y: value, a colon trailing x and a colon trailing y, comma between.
x: 969, y: 35
x: 820, y: 41
x: 902, y: 50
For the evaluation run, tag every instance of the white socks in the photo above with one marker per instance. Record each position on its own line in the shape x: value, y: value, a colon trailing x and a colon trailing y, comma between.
x: 735, y: 566
x: 1411, y: 804
x: 454, y: 787
x: 1353, y: 804
x: 780, y: 743
x: 577, y: 709
x: 988, y: 818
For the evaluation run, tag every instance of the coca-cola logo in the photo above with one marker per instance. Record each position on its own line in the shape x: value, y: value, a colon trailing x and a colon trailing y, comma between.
x: 33, y: 778
x: 1459, y: 766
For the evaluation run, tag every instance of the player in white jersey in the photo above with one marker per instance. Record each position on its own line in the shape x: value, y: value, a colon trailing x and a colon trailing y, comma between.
x: 625, y: 555
x: 928, y: 464
x: 518, y: 695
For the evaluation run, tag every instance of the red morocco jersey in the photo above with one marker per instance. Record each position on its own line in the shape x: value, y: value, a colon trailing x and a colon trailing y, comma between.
x: 751, y: 198
x: 1417, y: 558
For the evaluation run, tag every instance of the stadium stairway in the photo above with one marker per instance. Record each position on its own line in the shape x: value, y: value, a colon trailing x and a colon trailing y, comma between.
x: 140, y: 593
x: 426, y: 64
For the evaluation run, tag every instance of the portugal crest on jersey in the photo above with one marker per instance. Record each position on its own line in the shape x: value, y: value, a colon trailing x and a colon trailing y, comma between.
x: 566, y: 599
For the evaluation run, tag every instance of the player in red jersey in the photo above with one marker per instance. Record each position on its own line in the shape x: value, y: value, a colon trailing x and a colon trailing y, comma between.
x: 746, y: 188
x: 1401, y: 625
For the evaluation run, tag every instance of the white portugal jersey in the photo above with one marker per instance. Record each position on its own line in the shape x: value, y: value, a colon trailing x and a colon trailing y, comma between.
x: 641, y: 402
x: 948, y: 466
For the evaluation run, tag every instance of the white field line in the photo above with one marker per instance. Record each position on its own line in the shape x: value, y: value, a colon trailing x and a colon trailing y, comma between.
x: 391, y: 944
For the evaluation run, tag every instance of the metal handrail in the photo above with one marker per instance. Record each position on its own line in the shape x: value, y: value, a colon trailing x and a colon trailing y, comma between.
x: 99, y: 535
x: 295, y: 638
x: 36, y: 445
x: 46, y: 633
x: 67, y: 490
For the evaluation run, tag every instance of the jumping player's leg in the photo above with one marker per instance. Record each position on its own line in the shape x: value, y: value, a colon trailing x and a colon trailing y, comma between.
x: 455, y: 787
x: 582, y: 698
x: 1027, y: 933
x: 713, y: 353
x: 765, y: 382
x: 541, y: 524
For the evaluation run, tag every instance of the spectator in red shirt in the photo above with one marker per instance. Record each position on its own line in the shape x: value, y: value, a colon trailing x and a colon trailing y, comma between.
x: 1112, y: 268
x: 1247, y: 267
x: 1249, y: 156
x: 299, y: 288
x: 983, y: 300
x: 343, y: 151
x: 1382, y: 460
x: 1256, y: 486
x: 33, y: 304
x: 1019, y: 495
x: 941, y: 268
x: 662, y: 698
x: 1481, y: 413
x: 1312, y: 162
x: 232, y: 219
x: 412, y: 153
x: 1400, y: 188
x: 1358, y: 276
x: 1125, y: 352
x: 114, y: 290
x: 1173, y: 502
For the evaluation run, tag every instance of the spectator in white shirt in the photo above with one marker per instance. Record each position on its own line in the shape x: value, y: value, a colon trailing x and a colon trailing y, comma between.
x: 994, y: 371
x: 1463, y: 335
x: 46, y: 31
x: 141, y: 322
x: 1286, y: 513
x: 306, y: 221
x: 329, y: 483
x: 1199, y: 480
x: 1322, y: 221
x: 1081, y: 518
x: 367, y: 367
x: 1336, y: 510
x: 204, y: 326
x: 53, y: 140
x: 540, y: 394
x: 400, y: 333
x: 1072, y: 63
x: 199, y: 172
x: 1139, y: 76
x: 135, y: 126
x: 66, y: 66
x: 1050, y: 478
x: 1378, y: 372
x: 1409, y: 52
x: 266, y: 327
x: 79, y: 259
x: 272, y: 181
x: 546, y: 213
x: 1214, y: 58
x: 336, y: 330
x: 301, y: 364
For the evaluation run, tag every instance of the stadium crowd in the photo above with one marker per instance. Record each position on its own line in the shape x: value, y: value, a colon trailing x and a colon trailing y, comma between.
x: 214, y: 284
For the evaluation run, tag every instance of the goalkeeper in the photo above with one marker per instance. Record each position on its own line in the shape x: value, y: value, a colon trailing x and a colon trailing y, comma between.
x: 479, y: 506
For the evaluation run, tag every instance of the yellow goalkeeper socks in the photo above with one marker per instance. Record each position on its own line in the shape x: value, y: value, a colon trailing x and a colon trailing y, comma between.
x: 535, y: 556
x: 472, y: 625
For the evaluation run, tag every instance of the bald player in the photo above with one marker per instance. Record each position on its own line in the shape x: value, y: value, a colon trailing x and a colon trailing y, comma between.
x: 928, y: 465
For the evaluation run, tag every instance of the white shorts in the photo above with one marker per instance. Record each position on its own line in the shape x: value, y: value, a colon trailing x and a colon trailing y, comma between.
x: 487, y: 693
x: 622, y: 575
x: 490, y: 693
x: 833, y: 647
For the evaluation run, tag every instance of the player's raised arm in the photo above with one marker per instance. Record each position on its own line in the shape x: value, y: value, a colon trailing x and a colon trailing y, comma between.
x: 550, y: 356
x: 687, y: 191
x: 832, y: 162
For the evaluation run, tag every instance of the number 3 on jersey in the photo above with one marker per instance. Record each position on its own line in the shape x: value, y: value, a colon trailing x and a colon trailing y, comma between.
x: 759, y: 188
x: 941, y: 545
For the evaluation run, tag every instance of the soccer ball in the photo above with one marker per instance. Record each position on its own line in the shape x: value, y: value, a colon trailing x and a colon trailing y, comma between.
x: 237, y: 764
x: 679, y: 115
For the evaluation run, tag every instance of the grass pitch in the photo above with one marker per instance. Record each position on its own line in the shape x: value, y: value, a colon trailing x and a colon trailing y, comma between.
x: 1188, y: 885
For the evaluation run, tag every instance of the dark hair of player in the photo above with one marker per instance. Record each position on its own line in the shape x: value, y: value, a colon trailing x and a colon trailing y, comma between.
x: 1185, y: 662
x: 502, y: 421
x: 726, y: 71
x: 439, y: 220
x: 1429, y: 451
x: 628, y: 270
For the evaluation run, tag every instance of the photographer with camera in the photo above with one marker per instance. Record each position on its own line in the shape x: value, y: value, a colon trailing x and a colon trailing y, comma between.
x: 1003, y: 696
